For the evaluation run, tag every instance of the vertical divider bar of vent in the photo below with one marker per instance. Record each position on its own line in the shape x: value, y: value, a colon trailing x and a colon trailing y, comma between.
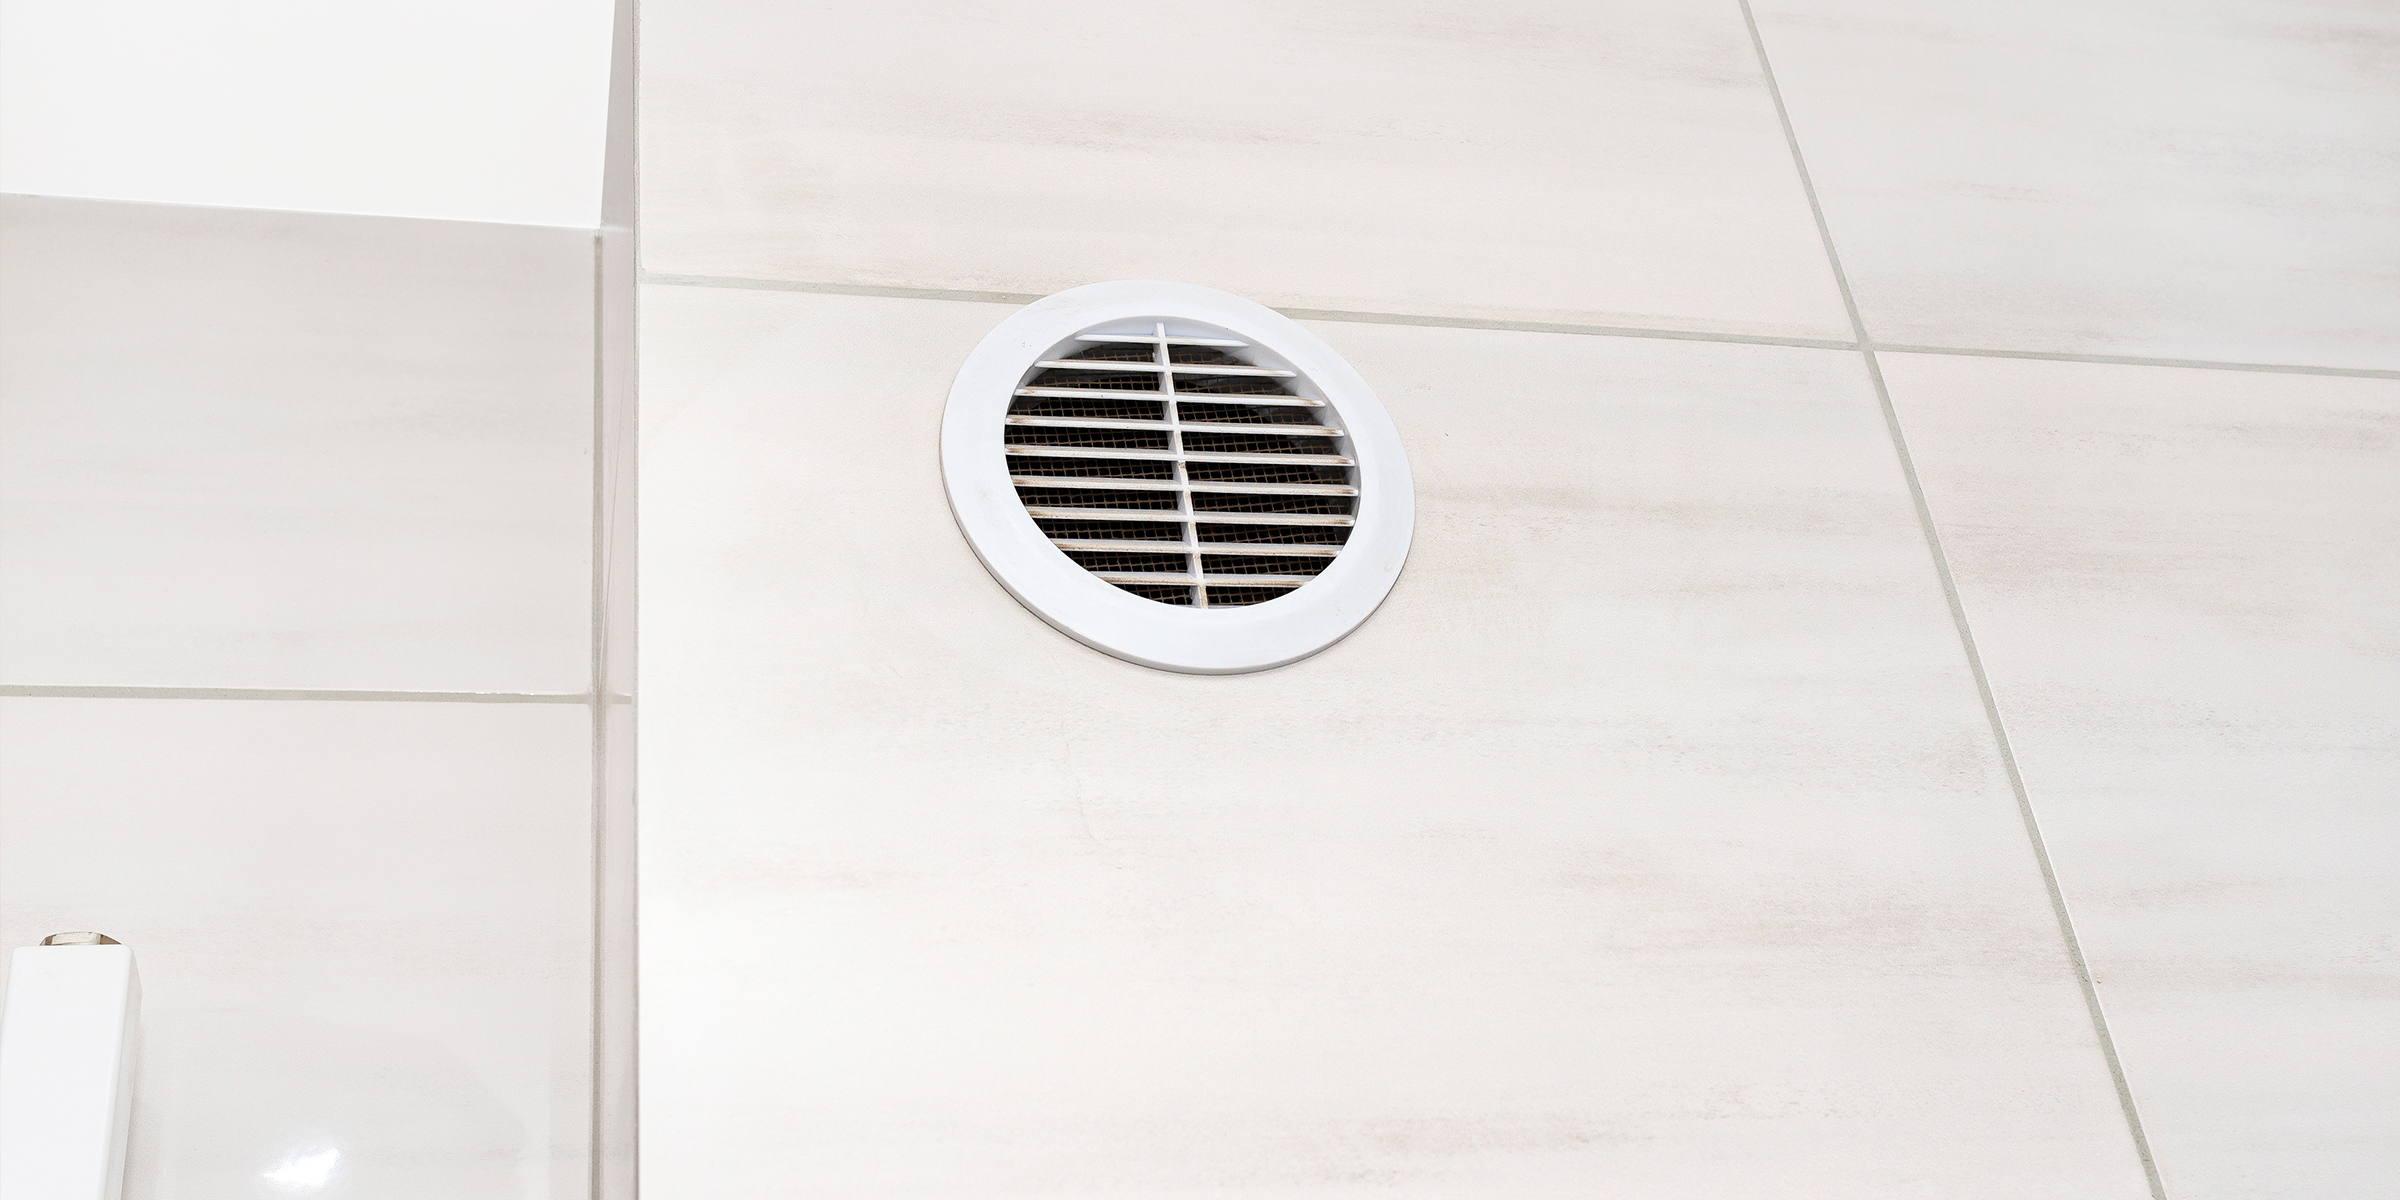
x: 1183, y: 479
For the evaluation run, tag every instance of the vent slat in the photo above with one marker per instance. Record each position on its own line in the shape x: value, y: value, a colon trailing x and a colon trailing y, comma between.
x: 1090, y: 452
x: 1101, y: 364
x: 1327, y: 550
x: 1230, y: 397
x: 1269, y: 428
x: 1134, y: 340
x: 1219, y: 448
x: 1233, y: 580
x: 1087, y: 423
x: 1169, y: 485
x: 1318, y: 460
x: 1061, y: 513
x: 1089, y: 481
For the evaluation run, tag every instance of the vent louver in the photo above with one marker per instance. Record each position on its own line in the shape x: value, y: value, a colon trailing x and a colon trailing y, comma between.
x: 1177, y: 476
x: 1180, y: 471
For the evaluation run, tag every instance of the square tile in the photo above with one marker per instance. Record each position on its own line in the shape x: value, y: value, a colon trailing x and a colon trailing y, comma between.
x: 2200, y: 181
x: 1612, y: 162
x: 290, y: 450
x: 2182, y: 583
x: 1650, y: 841
x: 362, y: 928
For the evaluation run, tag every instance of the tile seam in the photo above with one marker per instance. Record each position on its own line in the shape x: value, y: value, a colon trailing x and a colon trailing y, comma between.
x: 1566, y: 328
x: 618, y: 913
x: 597, y: 763
x: 2133, y: 360
x: 297, y: 212
x: 739, y: 283
x: 113, y: 692
x: 1966, y: 635
x: 744, y: 283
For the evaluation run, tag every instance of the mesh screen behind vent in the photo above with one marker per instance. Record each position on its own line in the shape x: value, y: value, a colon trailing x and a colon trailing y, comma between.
x: 1179, y: 471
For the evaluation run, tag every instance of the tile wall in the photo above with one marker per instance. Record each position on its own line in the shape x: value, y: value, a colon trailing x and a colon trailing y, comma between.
x: 1891, y: 696
x: 296, y: 647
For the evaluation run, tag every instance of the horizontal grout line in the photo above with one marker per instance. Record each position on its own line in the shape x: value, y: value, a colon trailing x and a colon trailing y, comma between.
x: 592, y: 228
x: 1620, y: 331
x: 1297, y: 314
x: 835, y: 289
x: 206, y: 693
x: 2128, y: 360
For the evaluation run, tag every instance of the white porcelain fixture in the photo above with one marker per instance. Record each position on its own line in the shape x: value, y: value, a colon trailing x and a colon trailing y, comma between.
x: 67, y: 1043
x: 1177, y: 476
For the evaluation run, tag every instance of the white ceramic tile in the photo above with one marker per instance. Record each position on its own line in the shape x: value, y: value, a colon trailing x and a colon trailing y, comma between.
x: 437, y: 108
x: 2182, y: 584
x: 1649, y: 842
x: 293, y: 450
x: 2204, y: 181
x: 1612, y: 162
x: 362, y: 928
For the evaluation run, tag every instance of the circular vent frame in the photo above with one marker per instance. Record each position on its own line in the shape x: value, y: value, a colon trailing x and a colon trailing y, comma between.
x: 1177, y: 476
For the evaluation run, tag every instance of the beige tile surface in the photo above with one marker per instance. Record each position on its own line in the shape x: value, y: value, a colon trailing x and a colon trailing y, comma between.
x: 2182, y: 584
x: 1649, y: 842
x: 2205, y: 181
x: 250, y: 449
x: 362, y: 928
x: 1611, y: 162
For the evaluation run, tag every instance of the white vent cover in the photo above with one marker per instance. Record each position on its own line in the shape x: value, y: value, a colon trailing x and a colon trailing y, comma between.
x: 1177, y: 476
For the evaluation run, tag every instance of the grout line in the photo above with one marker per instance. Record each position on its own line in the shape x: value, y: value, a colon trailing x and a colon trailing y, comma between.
x: 1297, y: 314
x: 1966, y: 635
x: 296, y: 212
x: 1620, y: 331
x: 209, y: 693
x: 2129, y: 360
x: 616, y: 849
x: 2016, y: 784
x: 834, y: 289
x: 595, y: 1131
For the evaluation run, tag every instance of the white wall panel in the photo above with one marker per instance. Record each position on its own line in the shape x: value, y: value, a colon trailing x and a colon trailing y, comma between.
x: 309, y: 454
x: 1650, y: 841
x: 2182, y: 584
x: 254, y: 449
x: 364, y: 931
x: 1615, y: 162
x: 2189, y: 180
x: 451, y: 109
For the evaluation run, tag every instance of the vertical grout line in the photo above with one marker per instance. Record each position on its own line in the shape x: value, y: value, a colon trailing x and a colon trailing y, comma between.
x: 627, y: 409
x: 1966, y: 635
x: 599, y: 709
x: 614, y: 1146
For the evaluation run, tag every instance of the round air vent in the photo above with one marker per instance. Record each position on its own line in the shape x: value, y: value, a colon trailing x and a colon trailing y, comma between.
x: 1177, y: 476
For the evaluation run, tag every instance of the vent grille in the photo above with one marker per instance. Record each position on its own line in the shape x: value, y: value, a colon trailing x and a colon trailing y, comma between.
x: 1179, y: 471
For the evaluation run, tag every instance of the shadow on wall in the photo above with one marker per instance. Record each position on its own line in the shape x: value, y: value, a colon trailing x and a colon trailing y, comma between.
x: 268, y: 1105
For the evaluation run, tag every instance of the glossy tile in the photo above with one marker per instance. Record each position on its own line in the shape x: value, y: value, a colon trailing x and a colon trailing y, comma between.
x: 363, y: 932
x: 2202, y: 181
x: 1650, y: 841
x: 1613, y: 162
x: 447, y: 108
x: 2182, y: 585
x: 251, y: 449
